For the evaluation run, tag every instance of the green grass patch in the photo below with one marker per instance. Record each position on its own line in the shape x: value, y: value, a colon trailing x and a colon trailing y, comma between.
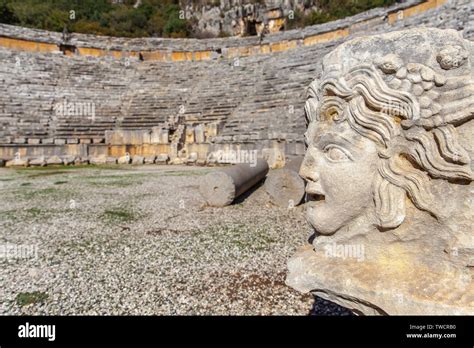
x: 120, y: 215
x: 30, y: 214
x: 27, y: 298
x: 33, y: 212
x: 51, y: 167
x: 110, y: 166
x: 185, y: 172
x: 119, y: 180
x: 34, y: 193
x: 10, y: 215
x: 43, y: 174
x: 114, y: 183
x: 243, y: 237
x: 56, y: 194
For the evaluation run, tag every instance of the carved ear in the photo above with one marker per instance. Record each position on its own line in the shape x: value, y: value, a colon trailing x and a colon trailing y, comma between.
x: 389, y: 204
x: 311, y: 105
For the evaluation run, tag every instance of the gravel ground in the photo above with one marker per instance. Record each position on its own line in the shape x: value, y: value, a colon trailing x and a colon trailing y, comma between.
x: 139, y: 240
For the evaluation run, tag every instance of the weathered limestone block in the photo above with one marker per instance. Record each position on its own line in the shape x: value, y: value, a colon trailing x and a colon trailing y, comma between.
x: 110, y: 160
x: 155, y: 135
x: 33, y: 141
x: 211, y: 130
x: 98, y: 160
x: 275, y: 157
x: 47, y: 141
x: 213, y: 158
x: 81, y: 160
x: 164, y: 136
x: 173, y: 151
x: 124, y: 159
x: 199, y: 134
x: 189, y: 135
x: 127, y: 137
x: 17, y: 162
x: 54, y: 160
x: 138, y: 159
x: 221, y: 187
x: 389, y: 176
x: 19, y: 140
x: 162, y: 158
x: 146, y: 137
x: 159, y: 135
x: 38, y: 162
x: 150, y: 159
x: 192, y: 158
x: 5, y: 139
x: 113, y: 137
x: 177, y: 160
x: 68, y: 160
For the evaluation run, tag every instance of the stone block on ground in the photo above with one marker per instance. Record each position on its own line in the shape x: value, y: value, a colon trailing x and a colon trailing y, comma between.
x: 150, y: 159
x: 18, y: 162
x: 68, y: 160
x: 111, y: 160
x: 138, y: 160
x: 40, y: 161
x: 54, y: 160
x: 162, y: 158
x: 124, y: 159
x: 192, y: 158
x: 98, y: 160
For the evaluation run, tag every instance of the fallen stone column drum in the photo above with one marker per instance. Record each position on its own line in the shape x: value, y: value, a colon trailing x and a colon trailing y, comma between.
x: 222, y: 186
x: 285, y: 186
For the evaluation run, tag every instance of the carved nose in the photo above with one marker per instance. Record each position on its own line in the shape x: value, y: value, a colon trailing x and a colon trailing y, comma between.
x: 308, y: 170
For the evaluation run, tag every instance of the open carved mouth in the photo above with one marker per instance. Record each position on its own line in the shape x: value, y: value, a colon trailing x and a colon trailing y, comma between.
x: 314, y: 197
x: 314, y: 193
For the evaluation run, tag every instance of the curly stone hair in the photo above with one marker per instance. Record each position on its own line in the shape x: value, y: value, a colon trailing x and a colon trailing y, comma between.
x: 412, y: 120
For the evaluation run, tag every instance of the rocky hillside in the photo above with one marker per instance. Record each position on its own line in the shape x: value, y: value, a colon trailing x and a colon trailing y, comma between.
x: 212, y: 18
x: 178, y: 18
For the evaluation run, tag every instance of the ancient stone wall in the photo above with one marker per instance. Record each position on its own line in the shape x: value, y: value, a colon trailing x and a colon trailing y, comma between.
x: 177, y: 98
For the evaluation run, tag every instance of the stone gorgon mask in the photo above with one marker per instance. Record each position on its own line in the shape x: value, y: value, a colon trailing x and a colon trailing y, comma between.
x: 382, y: 128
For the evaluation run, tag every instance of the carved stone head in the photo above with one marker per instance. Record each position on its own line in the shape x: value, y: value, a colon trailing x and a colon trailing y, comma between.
x: 389, y: 176
x: 382, y: 125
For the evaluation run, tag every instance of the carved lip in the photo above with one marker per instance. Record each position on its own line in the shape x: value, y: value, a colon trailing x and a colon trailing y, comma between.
x: 314, y: 197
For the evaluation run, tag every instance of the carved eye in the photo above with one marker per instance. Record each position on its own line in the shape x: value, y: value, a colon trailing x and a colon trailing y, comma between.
x: 336, y: 154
